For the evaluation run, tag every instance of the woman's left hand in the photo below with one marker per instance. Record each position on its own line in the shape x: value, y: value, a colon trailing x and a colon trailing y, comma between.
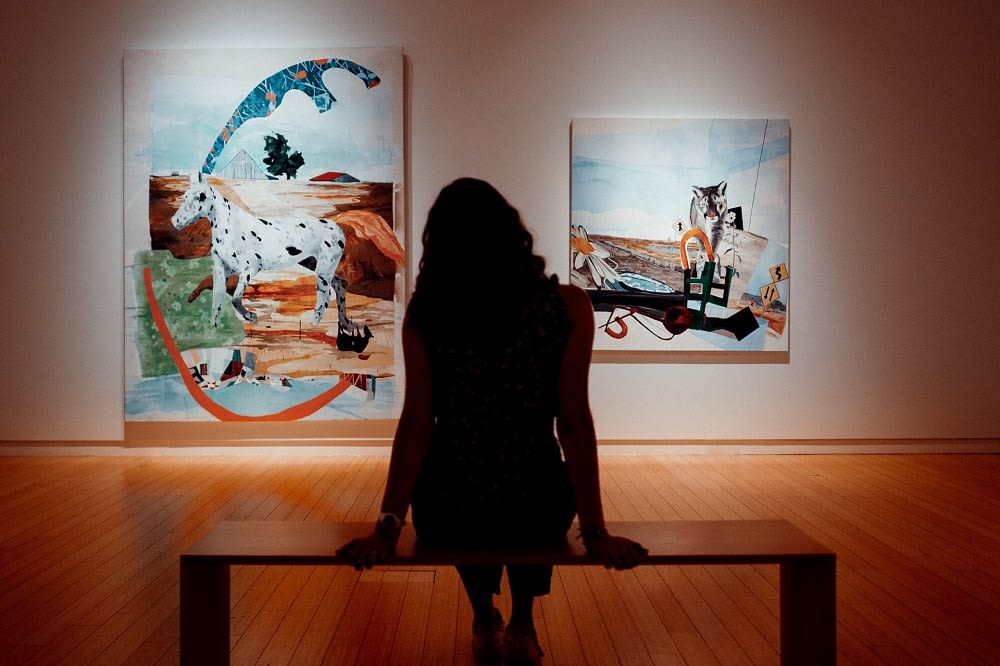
x: 366, y: 552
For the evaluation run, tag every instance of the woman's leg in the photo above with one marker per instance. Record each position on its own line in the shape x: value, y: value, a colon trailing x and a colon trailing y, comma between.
x: 481, y: 582
x: 526, y: 583
x: 520, y: 640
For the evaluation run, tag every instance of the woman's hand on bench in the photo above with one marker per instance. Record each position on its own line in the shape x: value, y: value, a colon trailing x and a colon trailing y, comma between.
x: 366, y: 552
x: 614, y: 552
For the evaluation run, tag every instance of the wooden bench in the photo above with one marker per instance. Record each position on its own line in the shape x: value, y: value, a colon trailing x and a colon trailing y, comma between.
x: 807, y: 570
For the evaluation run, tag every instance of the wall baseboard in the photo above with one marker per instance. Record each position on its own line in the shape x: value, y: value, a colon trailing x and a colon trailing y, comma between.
x: 799, y: 446
x: 381, y: 446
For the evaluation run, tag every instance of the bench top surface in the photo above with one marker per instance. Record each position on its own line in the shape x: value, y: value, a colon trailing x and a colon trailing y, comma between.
x: 668, y: 542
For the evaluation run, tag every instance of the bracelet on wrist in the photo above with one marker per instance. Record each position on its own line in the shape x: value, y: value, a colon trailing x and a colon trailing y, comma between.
x: 390, y: 521
x: 590, y: 532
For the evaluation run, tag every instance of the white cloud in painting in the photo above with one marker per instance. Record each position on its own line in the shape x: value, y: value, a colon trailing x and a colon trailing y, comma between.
x: 636, y: 176
x: 186, y: 112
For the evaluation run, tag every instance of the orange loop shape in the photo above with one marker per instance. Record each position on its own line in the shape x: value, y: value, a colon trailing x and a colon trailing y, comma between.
x: 702, y: 238
x: 619, y: 334
x: 292, y: 413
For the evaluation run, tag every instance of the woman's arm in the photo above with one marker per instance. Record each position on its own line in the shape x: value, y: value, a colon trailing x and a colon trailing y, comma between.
x: 574, y: 422
x: 413, y: 432
x: 409, y: 446
x: 575, y: 429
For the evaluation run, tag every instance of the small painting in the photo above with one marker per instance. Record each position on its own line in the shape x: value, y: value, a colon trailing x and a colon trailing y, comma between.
x: 679, y: 233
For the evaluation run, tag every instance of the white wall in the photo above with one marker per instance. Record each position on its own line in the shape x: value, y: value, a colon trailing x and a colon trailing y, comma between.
x: 894, y: 185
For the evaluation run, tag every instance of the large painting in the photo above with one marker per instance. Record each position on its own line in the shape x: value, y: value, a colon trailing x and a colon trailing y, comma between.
x: 264, y: 236
x: 679, y: 233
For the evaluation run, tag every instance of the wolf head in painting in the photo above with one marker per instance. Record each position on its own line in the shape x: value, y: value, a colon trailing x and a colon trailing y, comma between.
x: 708, y: 211
x: 244, y: 245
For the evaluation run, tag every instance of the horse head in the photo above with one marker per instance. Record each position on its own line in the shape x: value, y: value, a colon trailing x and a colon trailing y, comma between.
x: 198, y: 202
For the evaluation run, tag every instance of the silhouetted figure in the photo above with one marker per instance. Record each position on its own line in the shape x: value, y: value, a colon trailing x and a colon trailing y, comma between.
x: 495, y: 351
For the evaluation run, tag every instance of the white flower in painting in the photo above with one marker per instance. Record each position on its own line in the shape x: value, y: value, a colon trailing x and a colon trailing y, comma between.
x: 595, y: 256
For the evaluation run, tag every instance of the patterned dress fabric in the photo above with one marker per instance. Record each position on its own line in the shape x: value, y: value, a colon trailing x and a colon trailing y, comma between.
x: 494, y: 474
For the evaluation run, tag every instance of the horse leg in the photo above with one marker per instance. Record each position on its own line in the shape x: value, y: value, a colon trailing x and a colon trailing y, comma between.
x: 237, y: 300
x: 340, y: 288
x: 218, y: 288
x: 326, y: 277
x: 322, y: 296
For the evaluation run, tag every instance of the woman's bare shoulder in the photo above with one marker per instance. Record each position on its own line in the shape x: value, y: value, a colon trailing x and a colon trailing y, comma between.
x: 576, y: 299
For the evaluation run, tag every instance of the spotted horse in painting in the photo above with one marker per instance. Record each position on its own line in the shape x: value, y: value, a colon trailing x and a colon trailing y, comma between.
x: 243, y: 245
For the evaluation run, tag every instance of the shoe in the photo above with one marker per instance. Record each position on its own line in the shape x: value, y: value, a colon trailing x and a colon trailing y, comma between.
x: 487, y: 640
x: 520, y: 646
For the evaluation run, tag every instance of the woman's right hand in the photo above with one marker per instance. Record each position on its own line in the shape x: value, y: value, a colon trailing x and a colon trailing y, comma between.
x: 615, y: 552
x: 366, y: 552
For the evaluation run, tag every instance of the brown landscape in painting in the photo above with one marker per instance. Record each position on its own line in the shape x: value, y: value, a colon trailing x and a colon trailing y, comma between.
x: 661, y: 260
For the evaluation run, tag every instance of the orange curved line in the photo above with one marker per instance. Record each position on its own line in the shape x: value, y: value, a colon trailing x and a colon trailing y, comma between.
x: 292, y: 413
x: 702, y: 238
x: 619, y: 334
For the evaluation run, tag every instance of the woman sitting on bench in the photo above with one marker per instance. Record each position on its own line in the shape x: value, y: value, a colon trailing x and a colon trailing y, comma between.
x: 494, y: 352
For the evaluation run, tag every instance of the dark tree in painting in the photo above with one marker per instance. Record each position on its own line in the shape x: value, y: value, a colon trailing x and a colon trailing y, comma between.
x: 278, y: 161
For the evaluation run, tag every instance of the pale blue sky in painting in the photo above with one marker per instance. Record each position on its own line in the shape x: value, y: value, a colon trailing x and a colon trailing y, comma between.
x: 634, y: 178
x: 355, y: 136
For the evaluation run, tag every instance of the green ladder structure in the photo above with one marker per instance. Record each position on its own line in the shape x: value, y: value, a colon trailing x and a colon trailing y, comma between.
x: 706, y: 281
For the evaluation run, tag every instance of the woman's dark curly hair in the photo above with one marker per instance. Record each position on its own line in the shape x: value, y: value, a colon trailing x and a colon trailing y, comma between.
x: 472, y: 233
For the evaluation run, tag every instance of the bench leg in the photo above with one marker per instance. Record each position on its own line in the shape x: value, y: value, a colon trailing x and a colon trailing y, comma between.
x: 809, y: 611
x: 204, y: 612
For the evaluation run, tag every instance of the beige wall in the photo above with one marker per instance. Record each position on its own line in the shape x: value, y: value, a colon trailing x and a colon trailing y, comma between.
x: 894, y: 185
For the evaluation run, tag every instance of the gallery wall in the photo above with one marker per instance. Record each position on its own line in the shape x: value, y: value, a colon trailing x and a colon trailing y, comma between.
x: 894, y: 186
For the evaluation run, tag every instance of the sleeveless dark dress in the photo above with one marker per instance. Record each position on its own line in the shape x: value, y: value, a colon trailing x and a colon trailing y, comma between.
x: 493, y: 475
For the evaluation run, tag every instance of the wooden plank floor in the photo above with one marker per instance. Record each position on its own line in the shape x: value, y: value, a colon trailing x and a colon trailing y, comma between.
x: 89, y: 563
